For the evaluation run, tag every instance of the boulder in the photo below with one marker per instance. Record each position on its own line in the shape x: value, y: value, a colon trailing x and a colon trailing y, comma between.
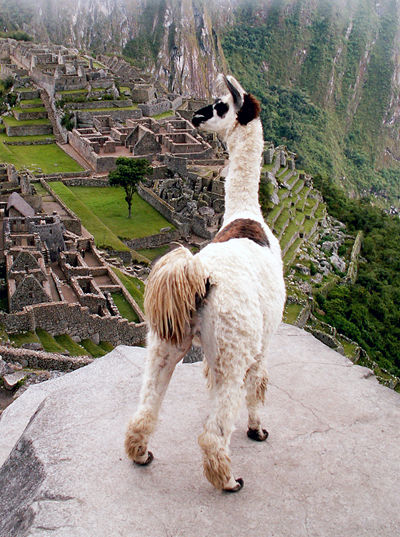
x: 330, y: 466
x: 11, y: 380
x: 338, y: 262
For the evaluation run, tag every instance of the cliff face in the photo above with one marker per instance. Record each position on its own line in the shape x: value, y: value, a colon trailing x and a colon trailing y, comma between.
x: 175, y: 39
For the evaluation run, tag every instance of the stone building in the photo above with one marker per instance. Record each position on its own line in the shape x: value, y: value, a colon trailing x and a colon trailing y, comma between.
x: 27, y: 280
x: 101, y: 145
x: 18, y: 207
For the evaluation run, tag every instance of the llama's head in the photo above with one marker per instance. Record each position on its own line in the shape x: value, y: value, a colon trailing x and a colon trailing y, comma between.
x: 235, y: 106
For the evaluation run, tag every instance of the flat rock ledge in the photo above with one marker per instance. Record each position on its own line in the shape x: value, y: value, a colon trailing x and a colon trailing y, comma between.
x: 330, y: 467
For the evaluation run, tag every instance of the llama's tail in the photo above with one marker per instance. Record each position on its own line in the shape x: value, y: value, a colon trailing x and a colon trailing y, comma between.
x: 175, y: 285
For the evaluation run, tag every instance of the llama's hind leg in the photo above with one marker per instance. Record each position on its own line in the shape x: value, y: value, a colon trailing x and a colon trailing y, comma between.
x: 214, y: 441
x: 256, y: 386
x: 161, y: 361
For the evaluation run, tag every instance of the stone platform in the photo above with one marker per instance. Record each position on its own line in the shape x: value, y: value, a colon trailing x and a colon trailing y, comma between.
x: 330, y: 468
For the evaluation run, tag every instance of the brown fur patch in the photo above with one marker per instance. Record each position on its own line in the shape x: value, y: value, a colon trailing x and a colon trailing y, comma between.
x: 250, y: 109
x: 243, y: 228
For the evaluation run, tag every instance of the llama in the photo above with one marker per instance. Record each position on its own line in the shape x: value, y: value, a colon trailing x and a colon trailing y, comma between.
x: 228, y: 298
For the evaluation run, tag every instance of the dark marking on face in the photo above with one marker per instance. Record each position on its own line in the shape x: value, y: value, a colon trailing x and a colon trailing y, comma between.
x: 221, y: 108
x: 243, y: 228
x: 203, y: 115
x: 250, y: 109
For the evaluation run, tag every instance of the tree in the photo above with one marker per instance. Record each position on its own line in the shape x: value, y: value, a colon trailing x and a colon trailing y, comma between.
x: 129, y: 173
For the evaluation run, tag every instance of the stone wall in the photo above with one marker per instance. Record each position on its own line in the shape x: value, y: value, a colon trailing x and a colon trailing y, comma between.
x: 47, y: 141
x: 87, y: 181
x: 63, y: 318
x: 72, y: 222
x: 49, y: 177
x: 82, y: 147
x: 153, y: 241
x: 28, y: 130
x: 121, y: 114
x: 293, y: 238
x: 160, y: 205
x: 29, y: 95
x: 26, y: 115
x: 152, y: 108
x: 126, y: 256
x: 43, y: 360
x: 88, y: 105
x: 176, y: 164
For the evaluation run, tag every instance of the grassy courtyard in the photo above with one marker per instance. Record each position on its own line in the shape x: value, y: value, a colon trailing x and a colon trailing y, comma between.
x: 49, y: 158
x: 103, y: 236
x: 108, y: 204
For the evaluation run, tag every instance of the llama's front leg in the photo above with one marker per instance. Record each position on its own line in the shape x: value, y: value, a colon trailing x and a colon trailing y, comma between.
x: 214, y: 441
x: 256, y: 386
x: 161, y: 361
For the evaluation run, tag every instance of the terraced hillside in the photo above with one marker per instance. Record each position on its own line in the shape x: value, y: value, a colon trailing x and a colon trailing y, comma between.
x: 318, y: 253
x: 26, y: 136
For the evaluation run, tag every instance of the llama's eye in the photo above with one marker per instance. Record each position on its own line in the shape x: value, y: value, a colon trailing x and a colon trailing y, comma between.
x: 222, y: 109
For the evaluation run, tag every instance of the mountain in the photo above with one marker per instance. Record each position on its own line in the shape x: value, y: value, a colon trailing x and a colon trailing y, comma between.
x: 327, y: 71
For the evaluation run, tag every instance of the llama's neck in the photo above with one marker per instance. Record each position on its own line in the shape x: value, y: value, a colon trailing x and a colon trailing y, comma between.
x: 245, y: 146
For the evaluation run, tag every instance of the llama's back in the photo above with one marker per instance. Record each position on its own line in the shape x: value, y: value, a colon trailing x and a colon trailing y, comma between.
x: 248, y: 286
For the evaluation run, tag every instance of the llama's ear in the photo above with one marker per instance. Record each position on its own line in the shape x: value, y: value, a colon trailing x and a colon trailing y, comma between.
x: 235, y: 92
x: 250, y: 109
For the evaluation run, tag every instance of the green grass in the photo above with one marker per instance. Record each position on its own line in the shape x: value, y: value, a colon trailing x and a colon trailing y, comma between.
x: 110, y: 109
x: 48, y: 342
x: 164, y: 114
x: 291, y: 313
x: 281, y: 220
x: 109, y: 205
x: 268, y: 167
x: 274, y: 212
x: 319, y: 213
x: 104, y: 237
x: 40, y: 189
x: 106, y: 346
x: 49, y: 158
x: 134, y: 286
x: 349, y: 348
x: 35, y: 138
x: 71, y: 92
x: 25, y: 337
x: 308, y: 225
x: 125, y: 308
x: 154, y: 253
x: 12, y: 122
x: 309, y: 206
x: 291, y: 252
x: 289, y: 232
x: 3, y: 334
x: 70, y: 345
x: 32, y: 102
x: 25, y: 110
x: 92, y: 349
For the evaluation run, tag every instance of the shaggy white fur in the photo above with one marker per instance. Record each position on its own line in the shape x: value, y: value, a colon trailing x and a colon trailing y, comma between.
x: 228, y: 298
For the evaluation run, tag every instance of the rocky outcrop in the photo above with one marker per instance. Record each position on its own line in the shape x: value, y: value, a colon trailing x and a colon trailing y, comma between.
x: 329, y: 467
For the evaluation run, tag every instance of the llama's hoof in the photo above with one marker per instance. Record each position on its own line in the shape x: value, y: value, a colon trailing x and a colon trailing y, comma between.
x: 237, y: 487
x: 150, y: 457
x: 255, y: 434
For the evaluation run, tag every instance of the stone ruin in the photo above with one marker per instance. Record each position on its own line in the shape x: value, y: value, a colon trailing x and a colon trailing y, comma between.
x: 53, y: 67
x: 145, y: 137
